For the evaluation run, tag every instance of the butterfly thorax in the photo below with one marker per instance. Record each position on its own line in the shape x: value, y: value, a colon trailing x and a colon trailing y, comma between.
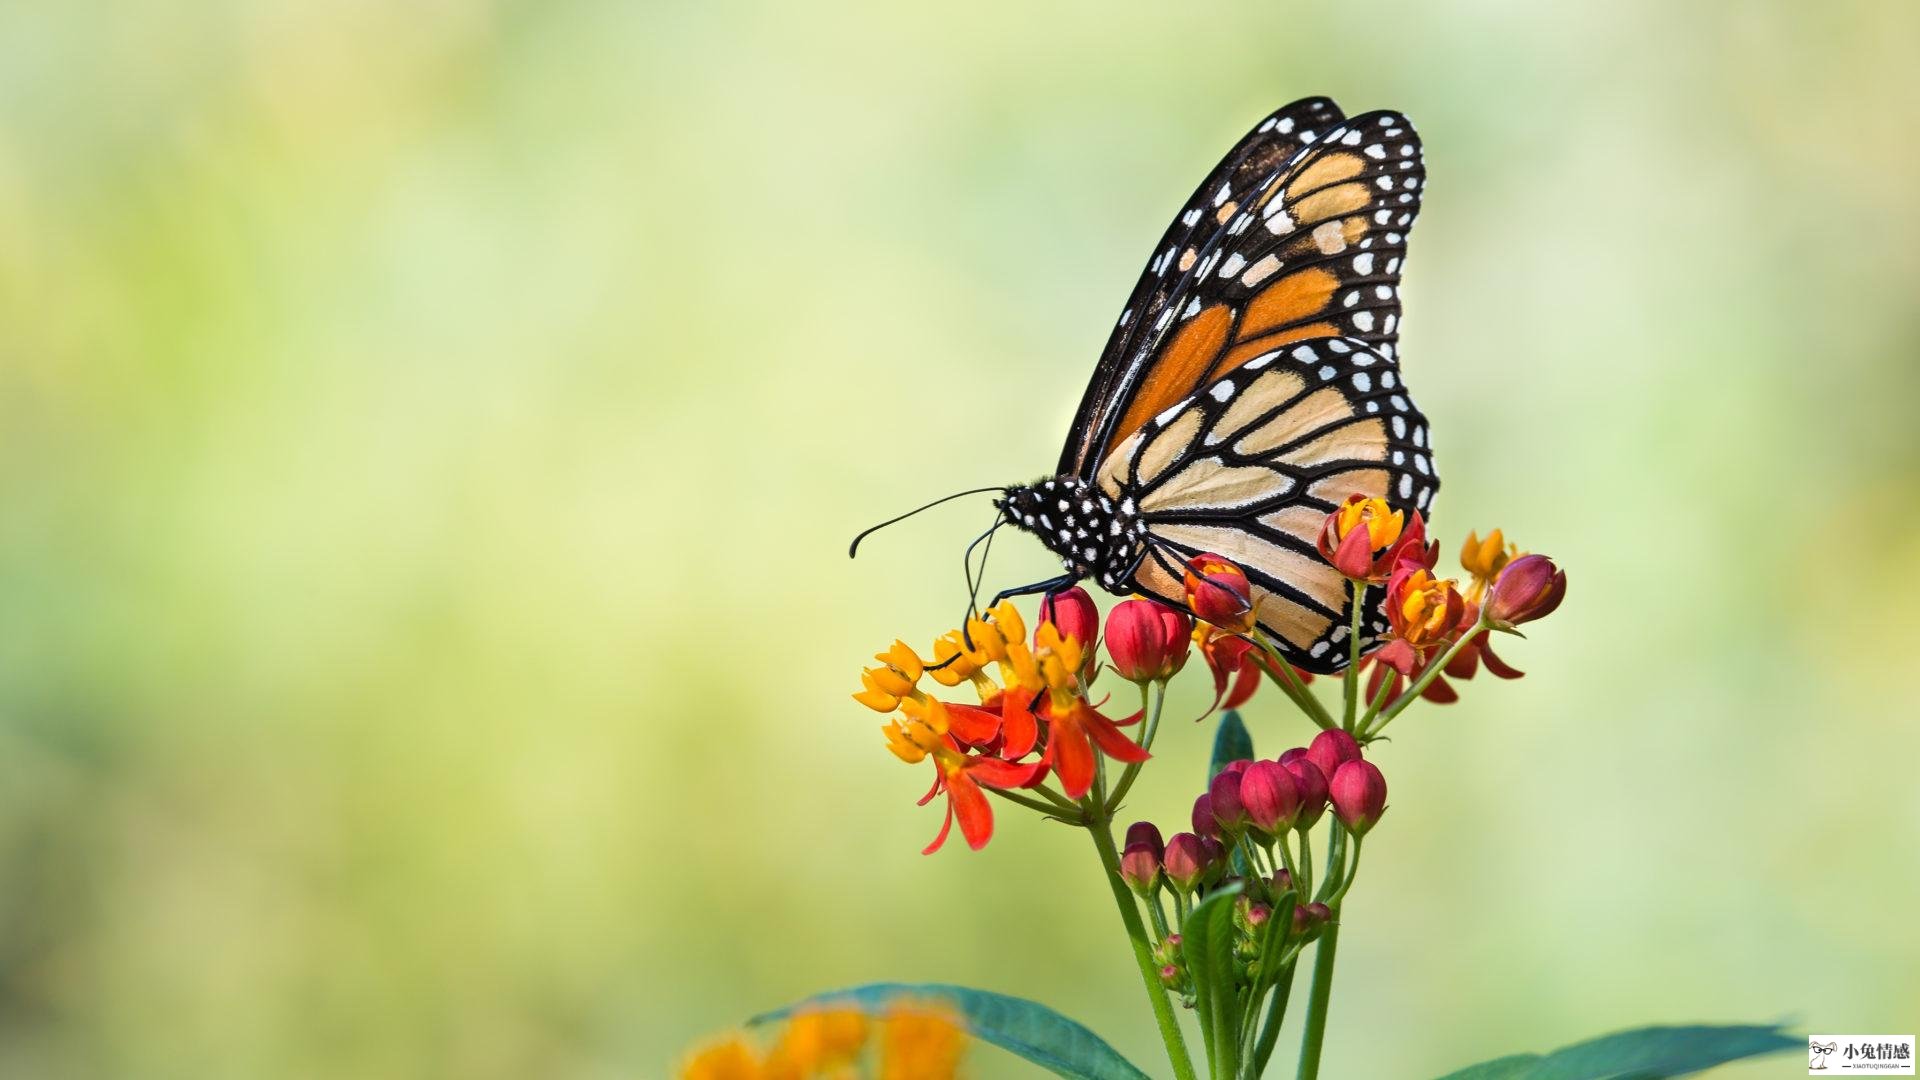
x: 1094, y: 536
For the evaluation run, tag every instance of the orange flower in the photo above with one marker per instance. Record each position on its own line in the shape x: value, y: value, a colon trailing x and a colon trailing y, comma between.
x: 1360, y: 538
x: 920, y: 1044
x: 1236, y: 662
x: 729, y: 1060
x: 817, y: 1041
x: 1423, y: 610
x: 1483, y: 560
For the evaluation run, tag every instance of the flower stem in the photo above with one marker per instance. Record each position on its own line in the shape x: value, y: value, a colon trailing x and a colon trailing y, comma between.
x: 1142, y: 952
x: 1282, y: 674
x: 1427, y: 675
x: 1152, y: 728
x: 1352, y: 695
x: 1316, y: 1031
x: 1276, y: 1014
x: 1035, y: 804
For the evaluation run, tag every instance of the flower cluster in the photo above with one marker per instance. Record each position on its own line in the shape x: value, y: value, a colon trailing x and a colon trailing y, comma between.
x: 911, y: 1042
x: 1034, y: 722
x: 1250, y: 837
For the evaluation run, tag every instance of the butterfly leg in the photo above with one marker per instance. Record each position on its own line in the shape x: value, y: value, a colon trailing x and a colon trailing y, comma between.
x: 1049, y: 586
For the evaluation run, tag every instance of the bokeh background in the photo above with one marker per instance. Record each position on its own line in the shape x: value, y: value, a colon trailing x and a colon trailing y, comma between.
x: 431, y: 433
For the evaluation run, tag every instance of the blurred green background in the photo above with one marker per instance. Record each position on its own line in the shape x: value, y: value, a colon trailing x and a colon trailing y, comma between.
x: 432, y: 431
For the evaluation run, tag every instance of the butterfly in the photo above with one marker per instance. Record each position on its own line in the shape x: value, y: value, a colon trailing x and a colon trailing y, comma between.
x: 1252, y: 384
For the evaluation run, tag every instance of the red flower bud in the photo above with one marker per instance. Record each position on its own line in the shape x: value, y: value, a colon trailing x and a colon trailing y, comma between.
x: 1169, y: 974
x: 1140, y: 868
x: 1529, y: 588
x: 1073, y: 613
x: 1228, y: 810
x: 1145, y: 833
x: 1147, y: 639
x: 1187, y: 861
x: 1332, y: 749
x: 1218, y: 592
x: 1282, y: 881
x: 1359, y: 796
x: 1203, y: 822
x: 1217, y: 861
x: 1256, y: 916
x: 1293, y: 755
x: 1313, y: 790
x: 1270, y: 796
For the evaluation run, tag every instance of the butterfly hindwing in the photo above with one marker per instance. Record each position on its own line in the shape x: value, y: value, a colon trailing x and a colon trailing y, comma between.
x: 1312, y: 247
x: 1250, y: 466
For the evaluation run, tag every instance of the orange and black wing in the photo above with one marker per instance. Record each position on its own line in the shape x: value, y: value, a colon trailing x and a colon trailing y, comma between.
x: 1250, y: 466
x: 1297, y: 234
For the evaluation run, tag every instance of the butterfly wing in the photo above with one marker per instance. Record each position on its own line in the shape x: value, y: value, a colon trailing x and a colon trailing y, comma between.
x: 1294, y: 236
x: 1250, y: 466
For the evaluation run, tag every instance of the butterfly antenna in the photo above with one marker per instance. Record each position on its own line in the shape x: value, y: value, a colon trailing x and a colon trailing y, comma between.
x: 854, y: 548
x: 973, y: 583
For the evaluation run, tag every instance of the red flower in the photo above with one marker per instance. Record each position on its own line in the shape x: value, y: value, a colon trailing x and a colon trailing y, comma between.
x: 1332, y: 749
x: 1074, y: 729
x: 1218, y: 592
x: 1147, y: 640
x: 1362, y: 537
x: 1235, y: 660
x: 1271, y: 796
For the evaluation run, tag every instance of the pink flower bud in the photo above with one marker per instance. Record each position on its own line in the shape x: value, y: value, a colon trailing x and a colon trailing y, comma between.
x: 1359, y: 796
x: 1282, y: 881
x: 1145, y: 833
x: 1257, y: 915
x: 1186, y: 862
x: 1309, y: 918
x: 1529, y: 588
x: 1313, y: 790
x: 1147, y: 640
x: 1203, y: 822
x: 1217, y: 861
x: 1140, y: 868
x: 1169, y: 974
x: 1293, y: 755
x: 1228, y: 810
x: 1270, y: 796
x: 1332, y: 749
x: 1073, y: 613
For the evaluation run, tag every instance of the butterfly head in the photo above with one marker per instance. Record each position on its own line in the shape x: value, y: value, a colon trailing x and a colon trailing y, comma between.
x: 1094, y: 535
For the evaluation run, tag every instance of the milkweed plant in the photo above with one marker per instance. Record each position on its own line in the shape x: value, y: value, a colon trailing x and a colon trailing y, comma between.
x: 1221, y: 908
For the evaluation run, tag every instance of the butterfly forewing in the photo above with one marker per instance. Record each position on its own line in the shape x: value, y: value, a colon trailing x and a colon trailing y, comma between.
x: 1249, y: 166
x: 1250, y: 466
x: 1274, y: 249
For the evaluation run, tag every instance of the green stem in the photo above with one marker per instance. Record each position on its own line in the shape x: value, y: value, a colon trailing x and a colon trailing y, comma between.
x: 1427, y: 675
x: 1373, y: 707
x: 1152, y: 728
x: 1286, y: 857
x: 1352, y: 695
x: 1032, y: 804
x: 1305, y: 888
x: 1282, y: 674
x: 1142, y: 952
x: 1316, y: 1031
x: 1276, y: 1015
x: 1336, y: 854
x: 1353, y: 871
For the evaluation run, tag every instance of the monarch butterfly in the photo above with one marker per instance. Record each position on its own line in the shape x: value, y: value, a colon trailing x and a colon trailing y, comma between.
x: 1251, y: 384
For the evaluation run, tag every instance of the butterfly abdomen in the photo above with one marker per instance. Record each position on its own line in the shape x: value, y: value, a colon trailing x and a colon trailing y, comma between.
x: 1094, y: 536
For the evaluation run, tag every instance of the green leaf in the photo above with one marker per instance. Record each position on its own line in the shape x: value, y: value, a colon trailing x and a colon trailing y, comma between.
x: 1023, y: 1027
x: 1231, y: 742
x: 1649, y: 1053
x: 1206, y: 943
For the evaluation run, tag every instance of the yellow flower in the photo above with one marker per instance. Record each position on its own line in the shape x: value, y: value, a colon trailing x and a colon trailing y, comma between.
x: 730, y: 1060
x: 1058, y: 660
x: 920, y: 1044
x: 922, y: 733
x: 1484, y: 559
x: 885, y: 687
x: 1383, y: 522
x: 952, y: 664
